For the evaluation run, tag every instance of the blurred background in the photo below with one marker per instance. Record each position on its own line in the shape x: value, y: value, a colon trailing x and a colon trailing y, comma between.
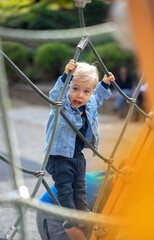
x: 45, y: 62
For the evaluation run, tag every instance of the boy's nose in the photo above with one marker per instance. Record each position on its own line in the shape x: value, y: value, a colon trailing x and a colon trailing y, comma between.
x: 80, y: 93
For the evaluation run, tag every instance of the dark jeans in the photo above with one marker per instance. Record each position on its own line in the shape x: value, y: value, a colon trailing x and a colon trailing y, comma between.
x: 69, y: 177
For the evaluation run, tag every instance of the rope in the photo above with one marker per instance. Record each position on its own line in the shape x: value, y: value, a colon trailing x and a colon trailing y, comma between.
x: 6, y: 160
x: 50, y: 192
x: 76, y: 216
x: 38, y: 36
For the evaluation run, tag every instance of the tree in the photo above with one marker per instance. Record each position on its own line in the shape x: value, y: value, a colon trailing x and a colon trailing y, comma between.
x: 23, y: 4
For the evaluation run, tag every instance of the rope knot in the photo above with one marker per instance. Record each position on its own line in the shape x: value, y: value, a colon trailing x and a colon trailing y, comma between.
x: 101, y: 230
x: 40, y: 173
x: 128, y: 174
x: 109, y: 160
x: 11, y: 233
x: 131, y: 100
x: 83, y: 43
x: 56, y: 104
x: 81, y: 3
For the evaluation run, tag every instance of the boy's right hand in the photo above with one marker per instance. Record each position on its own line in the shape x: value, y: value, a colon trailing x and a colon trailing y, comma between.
x: 70, y: 66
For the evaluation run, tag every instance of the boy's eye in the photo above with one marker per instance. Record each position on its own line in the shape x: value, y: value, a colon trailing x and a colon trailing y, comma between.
x: 86, y: 91
x: 75, y: 89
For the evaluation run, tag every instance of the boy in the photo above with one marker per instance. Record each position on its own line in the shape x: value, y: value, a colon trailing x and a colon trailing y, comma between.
x: 66, y: 162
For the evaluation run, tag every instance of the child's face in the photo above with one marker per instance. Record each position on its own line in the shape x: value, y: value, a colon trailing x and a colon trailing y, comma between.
x: 80, y: 92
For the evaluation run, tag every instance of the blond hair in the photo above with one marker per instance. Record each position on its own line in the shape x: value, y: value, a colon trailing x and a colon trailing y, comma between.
x: 86, y: 72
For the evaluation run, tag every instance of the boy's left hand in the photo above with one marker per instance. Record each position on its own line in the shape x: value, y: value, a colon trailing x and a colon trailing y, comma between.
x: 70, y: 66
x: 110, y: 79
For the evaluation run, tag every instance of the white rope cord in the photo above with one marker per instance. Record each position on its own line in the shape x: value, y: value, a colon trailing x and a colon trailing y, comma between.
x: 76, y: 216
x: 41, y: 36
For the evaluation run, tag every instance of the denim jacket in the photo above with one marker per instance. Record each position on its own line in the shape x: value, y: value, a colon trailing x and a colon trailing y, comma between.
x: 64, y: 140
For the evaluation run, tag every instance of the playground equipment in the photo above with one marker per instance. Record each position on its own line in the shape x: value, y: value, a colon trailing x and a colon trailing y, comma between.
x: 132, y: 196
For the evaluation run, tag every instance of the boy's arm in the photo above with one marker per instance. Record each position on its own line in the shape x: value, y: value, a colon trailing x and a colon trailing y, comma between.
x: 108, y: 80
x: 54, y: 93
x: 102, y: 90
x: 70, y: 66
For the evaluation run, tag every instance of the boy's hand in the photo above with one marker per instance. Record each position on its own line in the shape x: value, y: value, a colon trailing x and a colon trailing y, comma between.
x: 109, y: 79
x: 70, y: 66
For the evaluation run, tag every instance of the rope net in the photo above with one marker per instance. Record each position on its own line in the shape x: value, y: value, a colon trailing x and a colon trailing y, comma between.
x: 21, y: 197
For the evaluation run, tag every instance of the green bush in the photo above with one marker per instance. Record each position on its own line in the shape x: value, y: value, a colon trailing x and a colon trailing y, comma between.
x: 50, y: 20
x: 18, y: 54
x: 40, y: 15
x: 112, y: 56
x: 42, y: 20
x: 50, y: 59
x: 95, y: 13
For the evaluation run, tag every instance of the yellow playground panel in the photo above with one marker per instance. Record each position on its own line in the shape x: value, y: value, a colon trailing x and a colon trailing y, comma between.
x: 132, y: 197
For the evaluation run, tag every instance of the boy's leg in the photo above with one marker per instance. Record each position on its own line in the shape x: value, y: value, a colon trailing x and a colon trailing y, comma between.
x: 79, y: 185
x: 65, y: 169
x: 64, y: 178
x: 63, y: 174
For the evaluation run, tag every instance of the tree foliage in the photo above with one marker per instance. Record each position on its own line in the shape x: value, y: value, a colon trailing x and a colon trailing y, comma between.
x: 23, y: 5
x: 51, y: 59
x: 47, y: 14
x: 18, y: 53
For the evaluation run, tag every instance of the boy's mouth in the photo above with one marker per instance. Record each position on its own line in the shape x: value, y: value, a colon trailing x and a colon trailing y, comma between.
x: 77, y: 102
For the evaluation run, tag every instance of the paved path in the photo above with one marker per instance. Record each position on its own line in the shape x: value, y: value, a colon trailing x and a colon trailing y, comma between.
x: 29, y: 124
